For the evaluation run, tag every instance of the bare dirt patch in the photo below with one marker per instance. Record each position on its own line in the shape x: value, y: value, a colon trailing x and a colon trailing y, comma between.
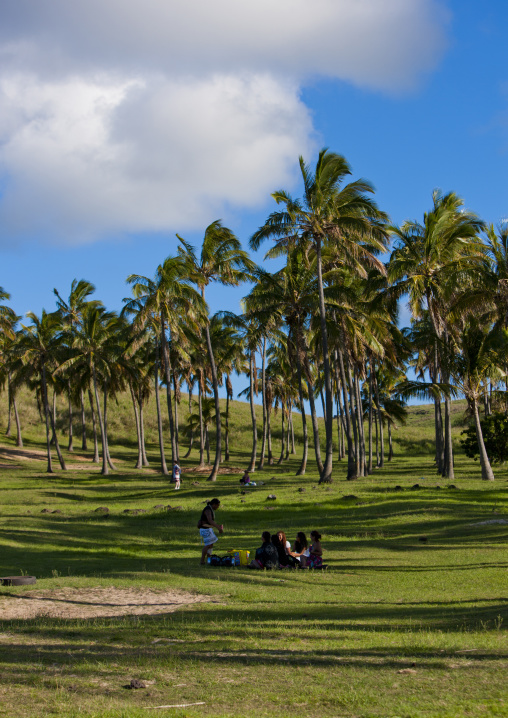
x: 93, y: 603
x: 207, y: 469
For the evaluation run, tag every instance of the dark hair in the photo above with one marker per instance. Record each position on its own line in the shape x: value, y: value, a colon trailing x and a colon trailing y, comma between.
x: 316, y: 535
x: 266, y: 536
x: 302, y: 540
x: 215, y: 501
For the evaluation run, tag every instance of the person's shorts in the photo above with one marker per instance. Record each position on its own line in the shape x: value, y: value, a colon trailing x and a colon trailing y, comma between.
x: 208, y: 536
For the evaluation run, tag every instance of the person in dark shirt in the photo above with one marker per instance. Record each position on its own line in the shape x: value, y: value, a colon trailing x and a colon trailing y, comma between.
x: 206, y: 524
x: 266, y: 554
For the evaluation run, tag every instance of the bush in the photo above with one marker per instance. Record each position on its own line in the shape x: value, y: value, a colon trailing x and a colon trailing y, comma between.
x: 495, y: 437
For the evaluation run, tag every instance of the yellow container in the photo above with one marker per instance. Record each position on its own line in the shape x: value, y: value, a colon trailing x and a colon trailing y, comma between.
x: 241, y: 557
x: 244, y: 558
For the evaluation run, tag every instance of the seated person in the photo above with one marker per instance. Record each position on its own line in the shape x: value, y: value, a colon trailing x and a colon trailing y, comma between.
x: 301, y: 552
x: 315, y: 558
x: 283, y: 547
x: 245, y: 480
x: 266, y: 554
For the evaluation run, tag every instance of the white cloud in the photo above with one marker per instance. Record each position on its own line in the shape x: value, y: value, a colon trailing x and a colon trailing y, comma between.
x: 122, y: 115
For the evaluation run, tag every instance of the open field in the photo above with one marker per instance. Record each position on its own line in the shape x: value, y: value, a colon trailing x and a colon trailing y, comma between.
x: 410, y: 619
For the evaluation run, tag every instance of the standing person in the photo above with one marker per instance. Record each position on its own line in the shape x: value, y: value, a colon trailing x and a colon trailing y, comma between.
x: 176, y: 475
x: 206, y: 524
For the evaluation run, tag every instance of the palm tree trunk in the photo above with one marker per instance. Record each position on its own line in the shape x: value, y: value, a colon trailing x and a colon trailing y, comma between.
x: 144, y: 457
x: 252, y: 464
x: 105, y: 422
x: 312, y: 404
x: 207, y: 444
x: 201, y: 431
x: 303, y: 465
x: 52, y: 416
x: 377, y: 439
x: 354, y: 421
x: 380, y: 419
x: 269, y: 433
x: 293, y: 445
x: 369, y: 466
x: 189, y: 386
x: 164, y: 468
x: 215, y: 384
x: 95, y: 459
x: 9, y: 405
x: 487, y: 473
x: 139, y: 462
x: 390, y: 443
x: 177, y: 442
x: 105, y: 469
x: 448, y: 467
x: 263, y: 397
x: 19, y: 439
x: 326, y: 474
x: 351, y: 456
x: 288, y: 431
x: 70, y: 446
x: 167, y: 376
x: 226, y: 438
x: 46, y: 413
x: 361, y: 432
x: 84, y: 445
x: 281, y: 457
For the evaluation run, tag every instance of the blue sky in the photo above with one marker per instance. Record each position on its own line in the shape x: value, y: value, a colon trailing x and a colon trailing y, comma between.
x: 124, y: 123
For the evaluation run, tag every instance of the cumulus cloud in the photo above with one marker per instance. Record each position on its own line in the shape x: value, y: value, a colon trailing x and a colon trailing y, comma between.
x: 125, y: 116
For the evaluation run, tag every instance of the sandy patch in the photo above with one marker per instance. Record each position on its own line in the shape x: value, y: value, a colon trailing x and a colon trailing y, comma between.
x: 93, y: 602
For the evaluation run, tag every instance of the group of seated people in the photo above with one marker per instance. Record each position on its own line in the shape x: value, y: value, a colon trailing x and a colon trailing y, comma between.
x: 276, y: 552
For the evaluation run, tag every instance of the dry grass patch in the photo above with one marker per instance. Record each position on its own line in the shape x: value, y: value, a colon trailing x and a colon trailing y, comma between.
x: 69, y: 603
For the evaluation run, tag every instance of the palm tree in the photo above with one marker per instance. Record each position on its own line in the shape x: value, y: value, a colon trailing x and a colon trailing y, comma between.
x: 478, y: 352
x: 429, y: 262
x: 71, y: 311
x: 97, y: 346
x: 221, y: 260
x: 8, y: 320
x: 38, y: 348
x: 329, y: 214
x: 169, y: 300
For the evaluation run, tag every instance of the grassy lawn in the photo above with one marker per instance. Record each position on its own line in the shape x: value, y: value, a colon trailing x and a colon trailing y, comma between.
x: 410, y: 619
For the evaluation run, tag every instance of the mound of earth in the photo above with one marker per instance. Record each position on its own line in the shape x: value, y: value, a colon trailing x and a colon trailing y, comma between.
x: 93, y: 602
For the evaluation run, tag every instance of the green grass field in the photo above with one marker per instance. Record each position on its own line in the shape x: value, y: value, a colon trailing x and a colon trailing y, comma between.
x: 409, y: 621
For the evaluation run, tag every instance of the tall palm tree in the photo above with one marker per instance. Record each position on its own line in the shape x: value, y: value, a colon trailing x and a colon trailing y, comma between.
x: 169, y: 300
x: 97, y: 345
x: 71, y: 311
x: 330, y: 213
x: 429, y: 262
x: 38, y: 350
x: 221, y: 260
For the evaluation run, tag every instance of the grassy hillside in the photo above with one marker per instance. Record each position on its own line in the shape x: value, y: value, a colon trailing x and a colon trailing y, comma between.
x: 416, y: 437
x: 409, y: 620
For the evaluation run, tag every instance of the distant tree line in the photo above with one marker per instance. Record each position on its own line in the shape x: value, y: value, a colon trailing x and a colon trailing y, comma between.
x: 324, y: 328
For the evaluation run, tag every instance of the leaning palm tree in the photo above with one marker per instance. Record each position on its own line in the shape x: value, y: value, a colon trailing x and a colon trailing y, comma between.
x: 330, y: 213
x: 221, y: 260
x: 478, y: 353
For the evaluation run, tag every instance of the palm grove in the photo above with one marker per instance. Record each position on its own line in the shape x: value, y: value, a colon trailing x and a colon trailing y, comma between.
x: 323, y: 329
